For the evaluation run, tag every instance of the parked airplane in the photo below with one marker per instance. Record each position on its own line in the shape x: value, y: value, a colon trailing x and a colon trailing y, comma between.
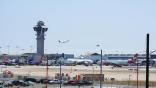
x: 78, y: 61
x: 119, y: 62
x: 6, y: 60
x: 35, y: 60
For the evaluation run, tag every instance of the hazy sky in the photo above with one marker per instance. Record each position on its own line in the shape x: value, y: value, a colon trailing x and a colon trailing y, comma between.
x: 119, y: 26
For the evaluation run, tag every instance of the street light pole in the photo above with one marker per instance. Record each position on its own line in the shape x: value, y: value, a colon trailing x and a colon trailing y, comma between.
x: 47, y: 72
x: 137, y: 74
x: 60, y: 71
x: 100, y: 67
x: 93, y: 75
x: 129, y: 80
x: 101, y: 71
x: 61, y: 42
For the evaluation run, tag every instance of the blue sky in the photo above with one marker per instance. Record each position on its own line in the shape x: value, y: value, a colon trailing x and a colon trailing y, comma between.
x: 119, y: 26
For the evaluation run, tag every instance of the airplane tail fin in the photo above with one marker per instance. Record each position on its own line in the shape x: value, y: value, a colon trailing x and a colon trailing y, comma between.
x: 5, y: 59
x: 134, y: 59
x: 35, y: 60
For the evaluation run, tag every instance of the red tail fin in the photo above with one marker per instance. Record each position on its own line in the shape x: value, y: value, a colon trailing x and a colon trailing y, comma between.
x: 135, y: 57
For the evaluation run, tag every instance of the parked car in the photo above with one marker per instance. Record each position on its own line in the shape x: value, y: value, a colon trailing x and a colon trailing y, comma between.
x: 55, y: 81
x: 20, y: 83
x: 71, y: 82
x: 43, y: 80
x: 85, y: 82
x: 8, y: 84
x: 30, y: 79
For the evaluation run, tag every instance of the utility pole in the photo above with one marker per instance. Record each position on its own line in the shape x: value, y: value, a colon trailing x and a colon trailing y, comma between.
x: 61, y: 69
x: 47, y: 73
x: 137, y: 73
x: 129, y: 80
x: 93, y: 76
x: 101, y: 71
x: 147, y: 61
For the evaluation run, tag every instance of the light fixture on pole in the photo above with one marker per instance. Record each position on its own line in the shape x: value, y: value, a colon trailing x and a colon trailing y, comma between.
x: 8, y: 49
x: 0, y: 49
x: 31, y: 48
x: 17, y: 50
x: 22, y: 51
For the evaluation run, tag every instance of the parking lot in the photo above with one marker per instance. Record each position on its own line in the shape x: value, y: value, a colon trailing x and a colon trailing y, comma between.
x: 95, y: 86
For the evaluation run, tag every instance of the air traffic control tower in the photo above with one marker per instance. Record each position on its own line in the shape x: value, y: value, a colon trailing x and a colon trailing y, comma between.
x: 40, y: 30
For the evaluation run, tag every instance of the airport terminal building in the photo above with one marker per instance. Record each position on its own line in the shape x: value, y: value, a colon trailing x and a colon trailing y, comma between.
x: 117, y: 56
x: 24, y: 58
x: 96, y: 57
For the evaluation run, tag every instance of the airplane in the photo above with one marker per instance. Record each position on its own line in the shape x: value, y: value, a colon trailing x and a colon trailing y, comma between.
x: 69, y: 63
x: 35, y: 60
x: 133, y: 60
x: 78, y: 61
x: 6, y: 60
x: 63, y: 41
x: 119, y: 62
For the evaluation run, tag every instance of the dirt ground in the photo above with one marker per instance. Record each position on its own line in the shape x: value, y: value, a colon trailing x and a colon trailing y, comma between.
x: 122, y: 73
